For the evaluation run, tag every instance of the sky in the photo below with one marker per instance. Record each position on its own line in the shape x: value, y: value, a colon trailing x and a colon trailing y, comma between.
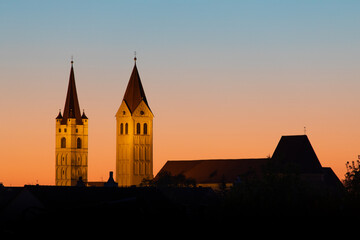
x: 224, y: 79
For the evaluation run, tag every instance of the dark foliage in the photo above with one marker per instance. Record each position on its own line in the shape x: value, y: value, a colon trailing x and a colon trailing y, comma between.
x: 165, y: 179
x: 177, y: 200
x: 280, y: 191
x: 352, y: 181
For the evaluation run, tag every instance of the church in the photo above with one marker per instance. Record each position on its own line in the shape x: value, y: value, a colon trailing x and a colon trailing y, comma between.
x: 134, y: 149
x: 134, y: 137
x: 71, y: 144
x: 294, y: 154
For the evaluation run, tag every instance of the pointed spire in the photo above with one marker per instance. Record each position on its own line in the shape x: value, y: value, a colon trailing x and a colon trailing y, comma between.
x: 134, y: 92
x: 59, y: 116
x: 83, y: 116
x: 72, y: 108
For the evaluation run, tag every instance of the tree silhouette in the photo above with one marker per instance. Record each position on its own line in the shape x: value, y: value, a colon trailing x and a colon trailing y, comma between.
x: 352, y: 179
x: 166, y: 179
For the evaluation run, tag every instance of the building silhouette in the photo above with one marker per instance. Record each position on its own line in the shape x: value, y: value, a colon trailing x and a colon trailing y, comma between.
x: 134, y: 135
x: 293, y: 155
x: 71, y: 154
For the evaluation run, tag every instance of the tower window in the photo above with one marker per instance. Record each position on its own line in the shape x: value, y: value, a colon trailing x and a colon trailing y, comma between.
x: 63, y: 142
x: 64, y: 129
x: 59, y: 130
x: 126, y: 128
x: 121, y: 128
x: 78, y: 141
x: 77, y: 130
x: 138, y: 128
x: 145, y: 128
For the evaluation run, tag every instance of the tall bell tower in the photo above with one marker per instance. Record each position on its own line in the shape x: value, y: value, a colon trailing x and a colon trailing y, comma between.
x: 71, y: 154
x: 134, y: 135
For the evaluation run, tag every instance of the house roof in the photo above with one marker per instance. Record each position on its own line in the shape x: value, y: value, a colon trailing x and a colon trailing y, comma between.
x: 214, y: 171
x: 72, y: 108
x: 297, y: 150
x: 134, y: 93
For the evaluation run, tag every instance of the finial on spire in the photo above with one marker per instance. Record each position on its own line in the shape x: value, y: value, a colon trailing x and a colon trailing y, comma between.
x: 72, y: 60
x: 135, y: 57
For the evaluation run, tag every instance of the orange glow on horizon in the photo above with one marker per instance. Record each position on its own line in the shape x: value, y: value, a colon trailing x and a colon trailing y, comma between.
x: 27, y: 155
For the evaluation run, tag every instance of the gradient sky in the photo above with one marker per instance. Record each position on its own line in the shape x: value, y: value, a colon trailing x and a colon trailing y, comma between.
x: 225, y: 79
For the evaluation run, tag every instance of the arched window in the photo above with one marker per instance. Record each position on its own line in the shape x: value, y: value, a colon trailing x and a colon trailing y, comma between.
x: 78, y: 143
x: 126, y: 128
x: 145, y: 128
x: 63, y: 142
x: 121, y: 128
x: 138, y: 128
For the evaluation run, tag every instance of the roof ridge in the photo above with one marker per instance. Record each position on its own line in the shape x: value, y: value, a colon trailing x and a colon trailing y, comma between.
x: 214, y: 159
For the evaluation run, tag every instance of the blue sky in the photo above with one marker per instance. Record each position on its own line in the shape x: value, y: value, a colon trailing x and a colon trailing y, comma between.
x: 230, y: 29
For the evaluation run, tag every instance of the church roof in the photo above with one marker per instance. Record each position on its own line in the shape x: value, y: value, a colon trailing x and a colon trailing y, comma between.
x: 216, y: 170
x: 292, y: 153
x: 72, y: 108
x: 134, y: 92
x: 297, y: 150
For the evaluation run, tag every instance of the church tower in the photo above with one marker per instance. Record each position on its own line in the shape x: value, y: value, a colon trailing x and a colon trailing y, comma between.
x: 71, y: 152
x: 134, y: 135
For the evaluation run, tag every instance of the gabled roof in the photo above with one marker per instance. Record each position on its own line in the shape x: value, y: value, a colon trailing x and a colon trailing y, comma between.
x: 214, y: 171
x: 134, y: 92
x: 72, y: 108
x: 297, y: 150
